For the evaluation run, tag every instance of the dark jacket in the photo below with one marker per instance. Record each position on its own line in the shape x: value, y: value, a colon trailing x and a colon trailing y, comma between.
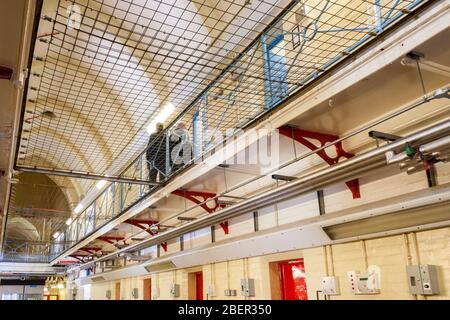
x: 156, y: 149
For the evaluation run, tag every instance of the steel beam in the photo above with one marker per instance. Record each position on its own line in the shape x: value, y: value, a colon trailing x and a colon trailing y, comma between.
x: 84, y: 175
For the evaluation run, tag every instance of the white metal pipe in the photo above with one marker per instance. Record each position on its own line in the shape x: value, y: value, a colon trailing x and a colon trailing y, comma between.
x: 435, y: 145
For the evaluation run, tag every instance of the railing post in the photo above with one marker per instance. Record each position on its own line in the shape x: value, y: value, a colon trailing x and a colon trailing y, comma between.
x: 141, y: 187
x: 205, y: 123
x: 121, y: 196
x: 94, y: 220
x: 378, y: 16
x: 267, y: 73
x: 168, y: 168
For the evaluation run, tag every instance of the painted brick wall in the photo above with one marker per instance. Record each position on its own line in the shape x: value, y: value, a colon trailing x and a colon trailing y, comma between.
x: 391, y: 254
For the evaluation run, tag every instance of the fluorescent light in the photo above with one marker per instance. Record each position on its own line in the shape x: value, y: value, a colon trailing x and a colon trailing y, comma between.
x: 60, y: 286
x: 78, y: 208
x: 161, y: 117
x: 101, y: 184
x: 56, y: 234
x: 69, y: 221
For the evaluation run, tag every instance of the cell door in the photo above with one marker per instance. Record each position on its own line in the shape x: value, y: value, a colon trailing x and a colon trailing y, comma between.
x: 199, y: 285
x: 117, y: 297
x: 293, y: 280
x: 148, y: 289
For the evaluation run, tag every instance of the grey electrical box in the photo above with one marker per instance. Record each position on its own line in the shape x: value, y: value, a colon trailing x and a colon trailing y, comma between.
x: 423, y: 279
x: 174, y: 290
x: 230, y: 293
x: 108, y: 294
x: 135, y: 293
x: 248, y: 287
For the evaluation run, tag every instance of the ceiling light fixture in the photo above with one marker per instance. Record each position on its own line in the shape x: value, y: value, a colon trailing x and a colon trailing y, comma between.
x: 69, y: 221
x: 56, y: 234
x: 161, y: 117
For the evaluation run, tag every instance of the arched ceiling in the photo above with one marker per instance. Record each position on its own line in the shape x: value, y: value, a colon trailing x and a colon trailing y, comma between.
x: 105, y: 79
x: 38, y: 207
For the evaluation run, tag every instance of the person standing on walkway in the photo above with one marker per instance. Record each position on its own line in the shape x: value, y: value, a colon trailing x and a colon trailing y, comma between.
x: 156, y: 154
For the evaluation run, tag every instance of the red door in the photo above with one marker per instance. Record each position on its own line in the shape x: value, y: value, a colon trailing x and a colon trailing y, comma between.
x: 293, y: 280
x: 199, y: 285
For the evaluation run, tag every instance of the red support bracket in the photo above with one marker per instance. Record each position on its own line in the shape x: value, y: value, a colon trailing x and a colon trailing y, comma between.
x: 204, y: 196
x: 90, y: 250
x: 143, y: 224
x: 302, y: 137
x: 5, y: 73
x: 79, y: 257
x: 110, y: 239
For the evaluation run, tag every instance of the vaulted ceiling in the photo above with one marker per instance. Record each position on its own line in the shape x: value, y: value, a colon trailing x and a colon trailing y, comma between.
x: 102, y: 70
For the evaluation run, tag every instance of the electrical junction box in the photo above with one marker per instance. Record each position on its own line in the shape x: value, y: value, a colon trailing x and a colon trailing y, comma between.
x: 230, y: 293
x: 211, y: 291
x: 248, y: 287
x: 362, y: 283
x: 108, y: 294
x: 174, y: 290
x: 155, y: 293
x: 135, y: 293
x: 330, y: 286
x: 423, y: 280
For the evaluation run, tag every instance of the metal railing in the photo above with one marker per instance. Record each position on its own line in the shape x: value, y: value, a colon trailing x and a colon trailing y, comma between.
x: 30, y: 251
x: 298, y: 47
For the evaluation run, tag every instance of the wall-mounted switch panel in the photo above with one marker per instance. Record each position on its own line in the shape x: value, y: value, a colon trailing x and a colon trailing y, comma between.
x: 211, y: 291
x: 155, y: 293
x: 423, y: 279
x: 248, y: 287
x: 359, y: 283
x: 330, y: 286
x: 174, y: 290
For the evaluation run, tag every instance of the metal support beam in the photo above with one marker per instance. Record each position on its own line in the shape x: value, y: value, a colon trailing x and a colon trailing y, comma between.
x: 186, y: 218
x: 283, y: 178
x: 383, y: 136
x: 302, y: 137
x: 84, y: 175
